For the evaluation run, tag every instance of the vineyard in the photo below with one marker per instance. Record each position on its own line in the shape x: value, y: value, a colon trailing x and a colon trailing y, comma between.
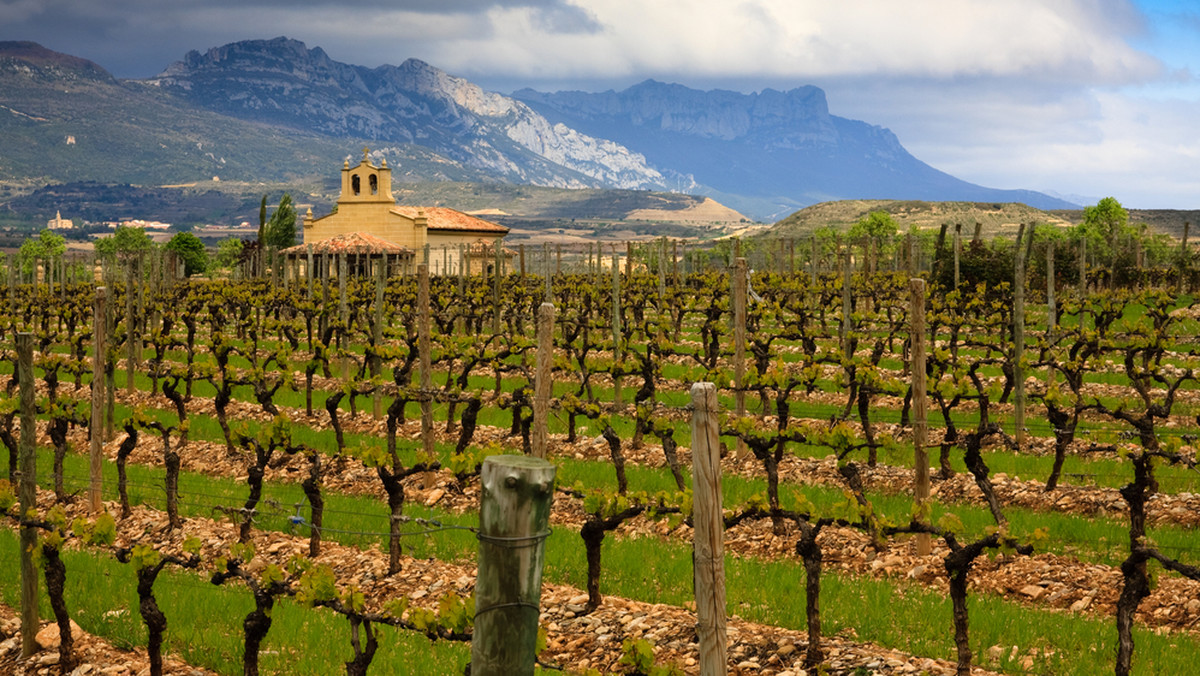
x: 286, y: 476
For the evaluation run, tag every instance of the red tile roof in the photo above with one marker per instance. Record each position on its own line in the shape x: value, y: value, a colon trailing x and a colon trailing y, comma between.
x: 351, y: 243
x: 445, y: 218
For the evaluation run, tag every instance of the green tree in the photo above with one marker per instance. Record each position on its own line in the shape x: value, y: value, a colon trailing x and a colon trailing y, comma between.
x: 262, y: 219
x: 280, y: 231
x: 877, y: 225
x: 189, y: 247
x: 229, y: 251
x: 125, y: 241
x: 1103, y: 224
x: 48, y: 244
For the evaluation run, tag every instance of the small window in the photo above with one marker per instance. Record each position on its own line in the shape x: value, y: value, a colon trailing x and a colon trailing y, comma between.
x: 354, y: 184
x: 374, y: 181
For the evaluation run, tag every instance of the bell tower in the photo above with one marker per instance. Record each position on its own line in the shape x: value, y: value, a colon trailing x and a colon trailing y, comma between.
x: 366, y: 183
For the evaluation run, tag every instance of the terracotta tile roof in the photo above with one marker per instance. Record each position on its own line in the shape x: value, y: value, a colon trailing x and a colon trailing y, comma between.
x: 445, y: 218
x: 351, y: 243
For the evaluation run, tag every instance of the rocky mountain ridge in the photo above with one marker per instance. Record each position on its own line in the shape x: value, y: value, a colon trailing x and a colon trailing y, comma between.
x: 277, y: 110
x: 285, y: 82
x: 765, y: 150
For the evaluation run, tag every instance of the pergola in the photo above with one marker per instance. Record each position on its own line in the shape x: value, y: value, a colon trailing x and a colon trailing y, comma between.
x: 361, y: 250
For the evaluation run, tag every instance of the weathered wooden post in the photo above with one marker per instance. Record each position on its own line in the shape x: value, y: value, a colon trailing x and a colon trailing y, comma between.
x: 1019, y: 336
x: 130, y: 329
x: 27, y: 494
x: 1083, y: 284
x: 1184, y: 257
x: 543, y: 382
x: 739, y: 273
x: 425, y: 364
x: 1051, y: 308
x: 514, y: 513
x: 957, y: 252
x: 709, y: 534
x: 812, y: 272
x: 96, y: 429
x: 616, y: 331
x: 496, y: 290
x: 548, y: 273
x: 140, y: 317
x: 308, y: 271
x: 377, y: 335
x: 343, y: 313
x: 847, y: 315
x: 920, y: 402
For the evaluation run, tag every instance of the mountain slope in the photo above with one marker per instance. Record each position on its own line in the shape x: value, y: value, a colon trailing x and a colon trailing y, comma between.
x: 771, y: 146
x: 281, y: 81
x: 66, y: 119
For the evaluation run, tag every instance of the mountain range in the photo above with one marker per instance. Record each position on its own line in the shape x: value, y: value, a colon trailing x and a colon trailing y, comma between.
x: 276, y: 110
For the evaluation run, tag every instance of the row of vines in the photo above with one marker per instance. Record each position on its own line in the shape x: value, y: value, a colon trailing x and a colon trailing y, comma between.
x: 825, y: 372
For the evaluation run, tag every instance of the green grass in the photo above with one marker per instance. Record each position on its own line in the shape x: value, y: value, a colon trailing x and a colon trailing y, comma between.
x: 896, y: 614
x: 204, y: 622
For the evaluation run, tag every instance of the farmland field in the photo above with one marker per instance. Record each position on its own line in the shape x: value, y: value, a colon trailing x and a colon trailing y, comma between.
x: 274, y: 436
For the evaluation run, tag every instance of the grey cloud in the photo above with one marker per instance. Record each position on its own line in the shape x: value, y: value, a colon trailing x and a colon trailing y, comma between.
x: 565, y: 18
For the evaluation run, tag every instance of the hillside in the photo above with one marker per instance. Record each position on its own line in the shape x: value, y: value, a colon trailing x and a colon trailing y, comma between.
x: 277, y: 111
x: 764, y: 153
x: 996, y: 218
x: 66, y: 119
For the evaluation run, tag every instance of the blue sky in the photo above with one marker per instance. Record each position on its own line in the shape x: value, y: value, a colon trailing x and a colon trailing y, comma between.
x: 1086, y: 98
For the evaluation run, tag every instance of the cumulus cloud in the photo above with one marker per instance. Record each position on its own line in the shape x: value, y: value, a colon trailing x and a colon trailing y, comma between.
x: 1081, y: 40
x: 1043, y: 94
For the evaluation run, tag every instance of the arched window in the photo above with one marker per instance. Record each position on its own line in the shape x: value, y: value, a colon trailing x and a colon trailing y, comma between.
x: 354, y: 184
x: 374, y: 181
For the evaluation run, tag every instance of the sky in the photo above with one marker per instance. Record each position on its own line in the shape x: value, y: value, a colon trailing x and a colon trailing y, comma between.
x: 1081, y: 98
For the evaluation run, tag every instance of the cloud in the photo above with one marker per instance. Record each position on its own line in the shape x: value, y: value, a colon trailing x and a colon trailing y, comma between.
x: 1052, y: 40
x: 1081, y: 96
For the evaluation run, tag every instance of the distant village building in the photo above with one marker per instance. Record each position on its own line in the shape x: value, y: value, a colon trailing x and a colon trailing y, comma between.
x: 138, y: 223
x: 366, y: 207
x: 59, y: 223
x: 70, y: 140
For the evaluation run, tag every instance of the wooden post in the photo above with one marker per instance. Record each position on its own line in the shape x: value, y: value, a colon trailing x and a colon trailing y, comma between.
x: 1083, y: 266
x: 957, y: 252
x: 739, y: 338
x: 130, y: 329
x: 844, y: 335
x: 616, y: 331
x: 674, y: 261
x: 709, y: 534
x: 96, y: 430
x: 377, y: 336
x: 514, y: 513
x: 308, y: 271
x: 108, y: 275
x: 662, y: 268
x: 543, y: 383
x: 27, y: 493
x: 425, y: 364
x: 547, y: 272
x: 522, y: 252
x: 343, y: 312
x: 1051, y: 308
x: 920, y: 403
x: 140, y: 317
x: 628, y: 258
x: 812, y: 273
x: 558, y: 260
x: 1184, y: 258
x: 1019, y: 336
x: 496, y: 291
